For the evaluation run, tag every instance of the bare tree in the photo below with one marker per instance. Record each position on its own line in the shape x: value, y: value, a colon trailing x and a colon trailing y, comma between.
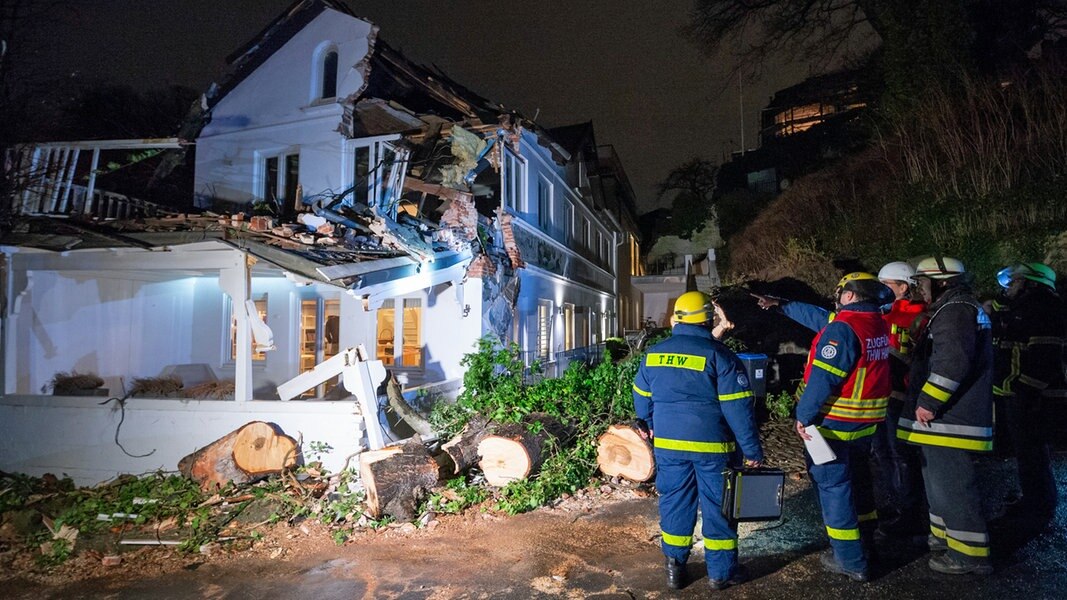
x: 692, y: 187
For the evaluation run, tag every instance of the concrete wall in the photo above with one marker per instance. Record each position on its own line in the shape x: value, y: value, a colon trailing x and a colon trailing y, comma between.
x: 75, y: 436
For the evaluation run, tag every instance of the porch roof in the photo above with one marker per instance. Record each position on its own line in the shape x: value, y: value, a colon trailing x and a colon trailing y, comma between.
x: 334, y: 265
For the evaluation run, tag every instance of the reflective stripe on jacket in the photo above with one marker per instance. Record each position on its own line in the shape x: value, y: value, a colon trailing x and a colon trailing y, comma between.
x: 1028, y: 337
x: 863, y: 396
x: 694, y: 394
x: 952, y: 376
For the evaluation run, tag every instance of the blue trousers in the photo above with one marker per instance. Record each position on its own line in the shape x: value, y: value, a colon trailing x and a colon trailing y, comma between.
x: 899, y: 468
x: 681, y: 484
x: 846, y: 496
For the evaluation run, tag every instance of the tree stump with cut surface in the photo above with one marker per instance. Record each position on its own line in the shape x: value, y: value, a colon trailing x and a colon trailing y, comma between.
x: 512, y: 452
x: 396, y: 478
x: 622, y: 452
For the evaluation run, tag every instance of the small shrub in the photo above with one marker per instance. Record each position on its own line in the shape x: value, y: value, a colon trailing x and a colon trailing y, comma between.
x: 780, y: 405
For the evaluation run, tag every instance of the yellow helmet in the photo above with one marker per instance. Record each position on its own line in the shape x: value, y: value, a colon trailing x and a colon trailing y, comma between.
x: 692, y: 307
x: 856, y: 276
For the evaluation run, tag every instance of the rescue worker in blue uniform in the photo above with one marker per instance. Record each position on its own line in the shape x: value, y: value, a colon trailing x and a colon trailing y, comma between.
x: 844, y: 394
x: 1028, y: 337
x: 949, y: 413
x: 693, y: 395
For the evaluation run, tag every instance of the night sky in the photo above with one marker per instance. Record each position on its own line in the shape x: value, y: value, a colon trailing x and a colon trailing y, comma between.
x: 623, y: 65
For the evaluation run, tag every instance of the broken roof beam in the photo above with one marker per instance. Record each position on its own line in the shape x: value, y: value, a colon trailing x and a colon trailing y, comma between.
x: 416, y: 185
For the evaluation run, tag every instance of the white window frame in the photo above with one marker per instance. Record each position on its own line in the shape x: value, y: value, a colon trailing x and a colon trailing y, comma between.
x: 260, y: 176
x: 514, y: 195
x: 398, y: 332
x: 377, y: 179
x: 228, y: 359
x: 546, y: 208
x: 318, y: 73
x: 545, y: 312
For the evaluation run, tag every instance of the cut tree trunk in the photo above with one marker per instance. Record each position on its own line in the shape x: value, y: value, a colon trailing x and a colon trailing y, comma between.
x: 397, y: 478
x: 622, y: 452
x: 512, y: 452
x: 240, y: 456
x: 463, y: 449
x: 261, y: 448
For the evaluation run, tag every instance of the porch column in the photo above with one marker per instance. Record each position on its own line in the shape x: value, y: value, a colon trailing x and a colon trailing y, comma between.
x: 235, y: 282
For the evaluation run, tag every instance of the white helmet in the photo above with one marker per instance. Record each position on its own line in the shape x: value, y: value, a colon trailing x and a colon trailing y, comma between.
x: 897, y: 271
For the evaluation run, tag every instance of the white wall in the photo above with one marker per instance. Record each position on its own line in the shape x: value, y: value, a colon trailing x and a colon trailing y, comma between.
x: 116, y: 328
x: 273, y: 111
x: 543, y: 284
x: 75, y: 436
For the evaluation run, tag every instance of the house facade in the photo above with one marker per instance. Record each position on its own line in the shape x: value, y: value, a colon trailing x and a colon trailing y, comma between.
x: 391, y: 208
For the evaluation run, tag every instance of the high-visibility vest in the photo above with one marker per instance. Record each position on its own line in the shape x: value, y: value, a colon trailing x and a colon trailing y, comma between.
x: 865, y: 393
x: 900, y: 318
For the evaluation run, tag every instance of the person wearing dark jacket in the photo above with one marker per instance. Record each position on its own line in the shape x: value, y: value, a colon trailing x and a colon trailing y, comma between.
x: 1028, y: 335
x: 844, y: 394
x: 692, y: 396
x: 949, y: 414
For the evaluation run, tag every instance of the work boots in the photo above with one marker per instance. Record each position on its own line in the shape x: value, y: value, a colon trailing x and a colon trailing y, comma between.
x: 675, y: 574
x: 949, y: 565
x: 739, y: 576
x: 829, y: 562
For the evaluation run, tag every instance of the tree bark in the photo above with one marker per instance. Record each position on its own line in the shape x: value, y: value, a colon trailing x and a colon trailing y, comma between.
x: 622, y: 452
x: 397, y: 478
x: 396, y: 401
x: 512, y: 452
x: 463, y: 449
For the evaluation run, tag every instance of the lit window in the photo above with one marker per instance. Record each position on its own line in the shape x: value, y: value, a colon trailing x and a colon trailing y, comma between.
x: 408, y: 326
x: 320, y: 322
x: 568, y: 327
x: 261, y: 308
x: 544, y: 329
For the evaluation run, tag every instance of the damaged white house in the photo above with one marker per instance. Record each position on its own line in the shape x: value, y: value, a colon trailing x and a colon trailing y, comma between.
x: 350, y: 198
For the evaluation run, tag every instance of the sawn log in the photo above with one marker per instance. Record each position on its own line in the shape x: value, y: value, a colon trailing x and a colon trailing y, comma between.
x: 512, y: 452
x: 463, y: 449
x: 622, y: 452
x: 396, y: 478
x: 253, y: 450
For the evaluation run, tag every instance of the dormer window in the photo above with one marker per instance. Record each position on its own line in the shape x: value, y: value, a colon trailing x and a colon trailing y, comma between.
x: 324, y: 74
x: 329, y: 75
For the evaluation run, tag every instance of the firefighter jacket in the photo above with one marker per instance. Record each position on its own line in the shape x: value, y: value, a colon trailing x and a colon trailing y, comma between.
x: 694, y: 394
x: 952, y: 376
x: 1028, y: 337
x: 901, y: 316
x: 846, y: 380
